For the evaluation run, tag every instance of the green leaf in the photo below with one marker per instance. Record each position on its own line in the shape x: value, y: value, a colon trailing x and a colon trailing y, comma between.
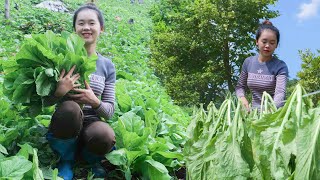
x: 308, y: 147
x: 55, y: 175
x: 124, y: 75
x: 25, y: 150
x: 10, y: 135
x: 9, y: 66
x: 228, y: 154
x: 14, y: 167
x: 44, y: 84
x: 9, y: 80
x: 171, y: 155
x: 124, y: 101
x: 33, y: 54
x: 22, y: 93
x: 158, y: 146
x: 152, y: 104
x: 133, y: 155
x: 151, y: 120
x: 37, y: 173
x: 3, y: 150
x: 132, y: 123
x: 156, y: 170
x: 117, y: 157
x: 75, y: 44
x: 133, y: 142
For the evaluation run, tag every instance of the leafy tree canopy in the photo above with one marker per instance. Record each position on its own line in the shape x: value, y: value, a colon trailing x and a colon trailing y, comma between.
x: 310, y: 74
x: 198, y: 46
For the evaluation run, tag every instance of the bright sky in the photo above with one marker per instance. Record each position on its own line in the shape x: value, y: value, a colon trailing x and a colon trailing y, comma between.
x: 299, y: 26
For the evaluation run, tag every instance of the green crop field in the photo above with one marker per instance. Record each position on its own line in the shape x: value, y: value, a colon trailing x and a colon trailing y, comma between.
x: 157, y: 137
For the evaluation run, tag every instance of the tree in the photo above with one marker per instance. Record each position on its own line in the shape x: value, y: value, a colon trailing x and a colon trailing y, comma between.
x: 7, y: 9
x: 310, y: 74
x: 198, y: 46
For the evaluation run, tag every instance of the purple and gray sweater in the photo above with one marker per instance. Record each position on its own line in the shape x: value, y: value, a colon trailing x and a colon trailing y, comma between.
x: 102, y: 83
x: 270, y: 76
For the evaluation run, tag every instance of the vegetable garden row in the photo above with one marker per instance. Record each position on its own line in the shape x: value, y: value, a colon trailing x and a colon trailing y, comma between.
x: 228, y: 143
x: 155, y: 138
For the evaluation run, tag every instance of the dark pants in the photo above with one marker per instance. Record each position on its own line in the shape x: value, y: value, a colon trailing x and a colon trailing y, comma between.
x: 92, y: 133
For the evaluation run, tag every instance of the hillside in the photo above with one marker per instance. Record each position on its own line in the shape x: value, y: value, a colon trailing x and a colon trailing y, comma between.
x: 142, y: 105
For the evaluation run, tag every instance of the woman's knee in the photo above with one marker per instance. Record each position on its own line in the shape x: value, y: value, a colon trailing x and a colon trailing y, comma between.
x: 67, y: 120
x: 99, y: 138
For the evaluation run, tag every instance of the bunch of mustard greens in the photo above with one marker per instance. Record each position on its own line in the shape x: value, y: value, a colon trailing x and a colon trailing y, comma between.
x: 227, y: 143
x: 34, y: 72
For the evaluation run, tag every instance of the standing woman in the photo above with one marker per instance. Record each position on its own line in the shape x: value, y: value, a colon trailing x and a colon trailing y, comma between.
x: 264, y: 72
x: 73, y: 128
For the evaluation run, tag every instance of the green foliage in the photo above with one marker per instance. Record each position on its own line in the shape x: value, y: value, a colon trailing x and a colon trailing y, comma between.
x: 28, y: 19
x: 309, y: 74
x: 197, y: 47
x: 143, y: 108
x: 34, y: 72
x: 20, y: 167
x: 149, y: 127
x: 228, y: 143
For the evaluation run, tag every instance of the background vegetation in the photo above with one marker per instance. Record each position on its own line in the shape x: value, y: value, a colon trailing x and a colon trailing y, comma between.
x: 195, y: 50
x: 150, y: 128
x: 310, y: 75
x: 198, y: 47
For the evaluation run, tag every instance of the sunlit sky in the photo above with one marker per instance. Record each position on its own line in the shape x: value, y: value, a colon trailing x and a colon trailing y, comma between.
x: 299, y: 26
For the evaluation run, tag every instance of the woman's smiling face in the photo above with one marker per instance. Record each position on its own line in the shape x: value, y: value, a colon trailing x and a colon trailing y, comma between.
x: 87, y: 26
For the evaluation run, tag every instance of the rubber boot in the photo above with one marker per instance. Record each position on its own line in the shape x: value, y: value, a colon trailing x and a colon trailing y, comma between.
x: 94, y: 161
x: 65, y: 148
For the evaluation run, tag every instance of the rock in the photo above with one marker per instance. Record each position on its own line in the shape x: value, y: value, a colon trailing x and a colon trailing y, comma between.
x: 56, y: 6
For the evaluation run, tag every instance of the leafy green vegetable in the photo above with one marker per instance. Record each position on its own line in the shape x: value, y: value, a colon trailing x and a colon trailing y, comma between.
x: 14, y: 167
x: 38, y: 64
x: 308, y: 146
x: 3, y: 150
x: 227, y: 143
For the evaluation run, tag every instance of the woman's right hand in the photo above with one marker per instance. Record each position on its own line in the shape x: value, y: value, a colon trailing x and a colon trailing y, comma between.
x: 66, y: 82
x: 245, y: 103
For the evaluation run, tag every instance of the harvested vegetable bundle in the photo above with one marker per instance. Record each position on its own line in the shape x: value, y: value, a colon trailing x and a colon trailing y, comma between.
x: 34, y: 71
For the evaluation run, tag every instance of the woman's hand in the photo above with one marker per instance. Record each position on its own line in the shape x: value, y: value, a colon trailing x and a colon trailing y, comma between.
x: 245, y: 103
x: 86, y: 96
x: 66, y: 82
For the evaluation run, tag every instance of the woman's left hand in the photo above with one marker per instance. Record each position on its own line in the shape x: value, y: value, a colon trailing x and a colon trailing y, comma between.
x: 85, y: 96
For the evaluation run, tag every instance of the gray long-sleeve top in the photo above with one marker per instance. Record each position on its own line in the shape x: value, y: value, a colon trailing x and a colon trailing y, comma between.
x: 270, y: 76
x: 102, y: 82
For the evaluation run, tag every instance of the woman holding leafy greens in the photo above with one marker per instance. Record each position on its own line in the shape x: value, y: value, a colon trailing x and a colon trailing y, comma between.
x: 264, y: 72
x: 73, y: 128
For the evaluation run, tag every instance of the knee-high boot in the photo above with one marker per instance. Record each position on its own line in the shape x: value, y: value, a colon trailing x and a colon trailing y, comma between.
x: 65, y: 148
x: 94, y: 161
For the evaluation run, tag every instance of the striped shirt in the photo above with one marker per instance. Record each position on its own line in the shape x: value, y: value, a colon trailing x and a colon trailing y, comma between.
x: 270, y: 76
x: 102, y: 83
